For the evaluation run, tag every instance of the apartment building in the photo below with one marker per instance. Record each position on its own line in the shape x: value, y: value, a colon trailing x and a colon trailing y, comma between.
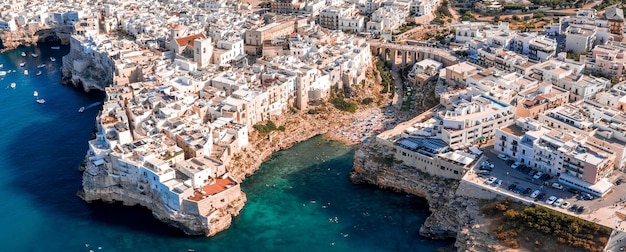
x: 472, y: 119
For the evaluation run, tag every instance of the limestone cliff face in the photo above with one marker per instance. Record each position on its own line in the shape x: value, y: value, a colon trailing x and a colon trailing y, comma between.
x: 105, y: 188
x: 81, y: 67
x: 453, y: 214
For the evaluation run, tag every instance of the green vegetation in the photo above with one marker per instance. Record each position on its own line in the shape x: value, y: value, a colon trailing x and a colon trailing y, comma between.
x: 367, y: 101
x: 405, y: 27
x: 518, y: 222
x: 264, y: 4
x: 343, y: 105
x: 607, y: 3
x: 442, y: 12
x: 539, y: 15
x: 267, y: 127
x: 312, y: 111
x: 554, y: 3
x: 385, y: 75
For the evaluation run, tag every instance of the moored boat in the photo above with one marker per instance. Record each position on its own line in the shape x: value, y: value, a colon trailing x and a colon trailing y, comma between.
x: 81, y: 109
x: 35, y: 93
x: 13, y: 85
x: 55, y: 47
x: 53, y: 59
x: 23, y: 54
x: 41, y: 101
x: 39, y: 73
x: 3, y: 73
x: 42, y: 65
x: 25, y: 72
x: 34, y: 55
x: 22, y: 64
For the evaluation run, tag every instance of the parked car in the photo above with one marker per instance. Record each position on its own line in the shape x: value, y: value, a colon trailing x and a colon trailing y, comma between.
x: 581, y: 209
x: 521, y: 167
x: 572, y: 190
x: 503, y: 157
x: 532, y: 173
x: 558, y: 202
x: 527, y: 191
x: 565, y: 205
x: 496, y: 183
x: 619, y: 182
x: 490, y: 180
x: 544, y: 177
x: 535, y: 194
x: 551, y: 200
x: 518, y: 189
x: 537, y: 175
x: 573, y: 208
x: 487, y: 164
x: 515, y: 165
x: 557, y: 186
x: 484, y: 172
x: 526, y: 169
x: 512, y: 187
x: 541, y: 196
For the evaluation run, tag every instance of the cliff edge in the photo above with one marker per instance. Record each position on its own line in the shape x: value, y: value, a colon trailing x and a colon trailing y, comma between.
x: 453, y: 213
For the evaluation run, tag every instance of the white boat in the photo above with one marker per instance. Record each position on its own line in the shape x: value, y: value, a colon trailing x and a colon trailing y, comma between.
x: 55, y: 47
x: 1, y: 65
x: 13, y: 85
x: 39, y: 73
x: 34, y: 55
x: 81, y: 109
x: 41, y: 101
x: 25, y: 72
x: 42, y: 65
x: 3, y: 73
x: 23, y: 54
x: 35, y: 94
x: 53, y: 59
x: 22, y: 64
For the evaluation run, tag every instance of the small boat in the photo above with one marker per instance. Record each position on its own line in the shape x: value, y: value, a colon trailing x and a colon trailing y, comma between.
x: 55, y: 47
x: 41, y: 101
x: 22, y: 64
x: 1, y: 65
x: 3, y: 73
x: 39, y: 73
x: 23, y: 54
x: 35, y: 94
x: 42, y: 65
x: 34, y: 55
x: 25, y: 72
x: 13, y: 85
x: 81, y: 109
x: 53, y: 59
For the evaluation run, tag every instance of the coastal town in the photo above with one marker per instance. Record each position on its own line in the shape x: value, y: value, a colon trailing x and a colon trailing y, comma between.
x: 200, y: 92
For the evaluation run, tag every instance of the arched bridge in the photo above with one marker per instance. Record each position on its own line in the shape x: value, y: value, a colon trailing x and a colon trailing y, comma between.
x: 411, y: 53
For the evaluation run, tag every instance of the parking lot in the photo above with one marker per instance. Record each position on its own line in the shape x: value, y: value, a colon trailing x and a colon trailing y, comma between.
x: 605, y: 211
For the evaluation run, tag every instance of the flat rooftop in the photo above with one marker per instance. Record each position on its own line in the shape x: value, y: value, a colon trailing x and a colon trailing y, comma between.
x: 513, y: 130
x: 210, y: 190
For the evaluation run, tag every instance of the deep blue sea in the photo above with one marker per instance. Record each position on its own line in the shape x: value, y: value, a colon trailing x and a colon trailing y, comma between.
x: 300, y: 200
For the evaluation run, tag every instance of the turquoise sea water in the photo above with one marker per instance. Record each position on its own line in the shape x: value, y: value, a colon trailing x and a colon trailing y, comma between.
x: 300, y: 200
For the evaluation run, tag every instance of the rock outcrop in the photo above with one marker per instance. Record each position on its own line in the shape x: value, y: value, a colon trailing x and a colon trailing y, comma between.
x: 99, y: 186
x: 453, y: 214
x: 85, y: 67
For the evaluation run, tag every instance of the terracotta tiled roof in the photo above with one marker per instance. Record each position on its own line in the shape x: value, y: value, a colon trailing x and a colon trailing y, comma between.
x: 188, y: 41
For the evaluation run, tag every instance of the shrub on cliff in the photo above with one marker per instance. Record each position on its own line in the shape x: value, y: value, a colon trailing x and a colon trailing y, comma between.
x: 343, y: 105
x: 267, y: 127
x: 367, y: 101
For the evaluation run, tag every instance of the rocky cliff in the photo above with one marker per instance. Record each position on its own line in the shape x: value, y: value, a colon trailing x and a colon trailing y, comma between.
x: 454, y: 214
x: 85, y: 67
x: 99, y: 186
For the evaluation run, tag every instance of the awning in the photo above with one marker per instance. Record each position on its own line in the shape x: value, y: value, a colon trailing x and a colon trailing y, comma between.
x: 480, y: 138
